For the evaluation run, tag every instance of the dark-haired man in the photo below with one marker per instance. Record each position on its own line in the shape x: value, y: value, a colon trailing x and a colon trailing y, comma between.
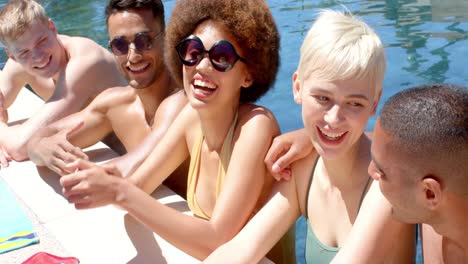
x: 148, y: 104
x: 65, y: 71
x: 420, y: 158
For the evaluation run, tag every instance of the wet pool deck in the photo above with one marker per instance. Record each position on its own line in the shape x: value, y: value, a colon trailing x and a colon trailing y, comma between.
x: 102, y: 235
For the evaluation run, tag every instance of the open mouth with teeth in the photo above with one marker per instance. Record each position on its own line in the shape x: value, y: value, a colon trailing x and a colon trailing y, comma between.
x: 331, y: 138
x: 203, y: 88
x: 45, y: 64
x: 137, y: 69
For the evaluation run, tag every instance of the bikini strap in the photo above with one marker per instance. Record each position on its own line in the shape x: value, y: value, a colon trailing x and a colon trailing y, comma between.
x: 363, y: 194
x: 309, y: 185
x: 226, y: 152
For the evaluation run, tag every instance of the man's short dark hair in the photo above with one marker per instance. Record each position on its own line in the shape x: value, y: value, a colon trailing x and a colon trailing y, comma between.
x: 155, y: 6
x: 433, y: 116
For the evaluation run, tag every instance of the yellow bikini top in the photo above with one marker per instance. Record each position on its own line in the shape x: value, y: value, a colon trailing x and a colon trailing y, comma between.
x: 194, y: 170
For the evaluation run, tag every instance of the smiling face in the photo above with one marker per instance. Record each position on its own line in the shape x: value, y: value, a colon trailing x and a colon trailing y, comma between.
x: 140, y: 68
x: 334, y: 113
x: 38, y: 50
x: 203, y: 84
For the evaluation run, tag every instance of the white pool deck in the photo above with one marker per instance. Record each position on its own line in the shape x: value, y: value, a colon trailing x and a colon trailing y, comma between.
x: 102, y: 235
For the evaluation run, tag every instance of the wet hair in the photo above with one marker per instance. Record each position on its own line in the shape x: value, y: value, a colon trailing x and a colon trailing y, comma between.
x: 156, y: 6
x: 17, y: 16
x: 340, y: 46
x: 251, y: 24
x: 431, y: 122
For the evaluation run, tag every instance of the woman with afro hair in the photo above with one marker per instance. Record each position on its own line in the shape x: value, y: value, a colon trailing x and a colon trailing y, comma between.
x: 225, y: 54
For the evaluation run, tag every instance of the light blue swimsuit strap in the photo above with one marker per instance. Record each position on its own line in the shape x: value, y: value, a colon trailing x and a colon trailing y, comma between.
x: 315, y: 251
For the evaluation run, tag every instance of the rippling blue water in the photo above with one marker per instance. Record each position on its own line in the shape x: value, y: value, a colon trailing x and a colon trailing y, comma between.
x: 426, y: 41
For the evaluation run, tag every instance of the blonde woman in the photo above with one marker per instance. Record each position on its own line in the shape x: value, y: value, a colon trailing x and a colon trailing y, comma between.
x: 338, y: 83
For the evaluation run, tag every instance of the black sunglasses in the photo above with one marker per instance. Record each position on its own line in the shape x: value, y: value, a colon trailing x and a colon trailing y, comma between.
x: 142, y: 41
x: 222, y: 54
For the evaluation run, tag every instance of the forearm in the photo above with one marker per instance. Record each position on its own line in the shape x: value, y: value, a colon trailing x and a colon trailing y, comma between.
x: 21, y: 134
x: 263, y: 231
x: 183, y: 231
x: 128, y: 163
x: 229, y: 253
x: 160, y: 163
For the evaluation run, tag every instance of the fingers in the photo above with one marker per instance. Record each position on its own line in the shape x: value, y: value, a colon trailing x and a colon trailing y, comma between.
x: 285, y: 160
x: 70, y: 153
x: 81, y: 201
x: 79, y: 164
x: 60, y: 156
x: 277, y: 149
x: 112, y: 169
x: 70, y: 183
x: 89, y: 186
x: 284, y: 174
x: 4, y: 160
x: 57, y: 169
x: 76, y: 183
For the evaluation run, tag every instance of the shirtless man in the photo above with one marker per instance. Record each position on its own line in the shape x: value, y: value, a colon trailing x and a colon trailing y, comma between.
x: 66, y: 72
x: 136, y: 31
x: 420, y: 158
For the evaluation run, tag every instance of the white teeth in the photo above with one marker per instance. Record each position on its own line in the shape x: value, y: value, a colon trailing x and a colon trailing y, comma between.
x: 331, y: 135
x: 44, y: 64
x: 136, y: 68
x: 204, y: 84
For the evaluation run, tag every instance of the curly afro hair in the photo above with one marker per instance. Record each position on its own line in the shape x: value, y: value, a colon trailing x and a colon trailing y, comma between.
x: 249, y: 21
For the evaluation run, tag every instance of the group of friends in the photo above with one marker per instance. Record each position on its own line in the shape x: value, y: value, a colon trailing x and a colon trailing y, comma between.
x: 180, y: 102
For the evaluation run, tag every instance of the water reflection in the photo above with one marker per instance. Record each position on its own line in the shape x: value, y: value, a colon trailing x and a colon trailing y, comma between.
x: 425, y: 42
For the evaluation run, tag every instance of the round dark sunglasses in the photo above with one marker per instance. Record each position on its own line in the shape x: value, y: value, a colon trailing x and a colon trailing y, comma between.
x: 222, y: 54
x: 142, y: 41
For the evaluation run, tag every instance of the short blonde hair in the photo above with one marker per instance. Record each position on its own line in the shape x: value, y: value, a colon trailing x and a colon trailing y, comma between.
x: 340, y: 46
x: 17, y: 16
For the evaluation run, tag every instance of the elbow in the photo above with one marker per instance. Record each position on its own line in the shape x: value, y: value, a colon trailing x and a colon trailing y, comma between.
x: 221, y: 237
x: 212, y: 241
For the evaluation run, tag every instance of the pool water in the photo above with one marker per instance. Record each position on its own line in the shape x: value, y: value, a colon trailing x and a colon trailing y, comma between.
x: 425, y: 42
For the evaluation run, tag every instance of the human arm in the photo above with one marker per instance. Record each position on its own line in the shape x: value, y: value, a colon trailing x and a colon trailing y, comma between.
x: 116, y: 109
x: 74, y: 86
x: 376, y: 237
x: 163, y: 118
x: 241, y: 190
x: 286, y: 149
x: 264, y: 230
x: 12, y: 80
x: 51, y: 147
x: 242, y: 187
